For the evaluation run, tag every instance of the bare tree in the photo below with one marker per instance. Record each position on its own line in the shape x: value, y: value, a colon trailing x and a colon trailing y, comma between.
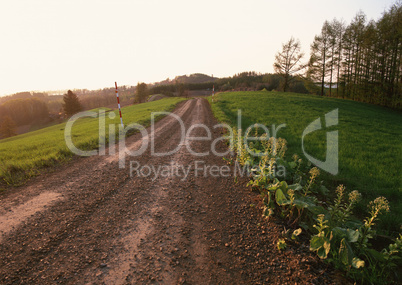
x: 288, y: 61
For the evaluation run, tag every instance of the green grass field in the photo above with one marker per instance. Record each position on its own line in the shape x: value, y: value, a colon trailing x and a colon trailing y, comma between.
x: 25, y: 155
x: 370, y: 144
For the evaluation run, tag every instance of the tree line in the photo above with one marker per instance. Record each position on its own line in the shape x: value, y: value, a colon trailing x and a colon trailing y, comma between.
x: 18, y: 112
x: 28, y: 108
x: 361, y: 61
x: 249, y: 80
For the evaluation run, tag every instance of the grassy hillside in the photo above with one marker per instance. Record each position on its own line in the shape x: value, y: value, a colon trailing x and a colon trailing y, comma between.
x: 370, y: 144
x: 24, y: 155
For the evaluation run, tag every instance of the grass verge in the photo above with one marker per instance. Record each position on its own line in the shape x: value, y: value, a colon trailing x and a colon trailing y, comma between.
x: 25, y: 155
x: 369, y: 140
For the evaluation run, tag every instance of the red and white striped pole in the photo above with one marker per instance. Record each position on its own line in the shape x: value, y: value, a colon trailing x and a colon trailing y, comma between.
x: 118, y: 104
x: 213, y: 87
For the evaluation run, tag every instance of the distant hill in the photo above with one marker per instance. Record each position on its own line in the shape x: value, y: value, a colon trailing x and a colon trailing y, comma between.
x: 195, y: 78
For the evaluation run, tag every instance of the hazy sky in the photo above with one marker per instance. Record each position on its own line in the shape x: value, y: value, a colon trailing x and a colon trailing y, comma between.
x: 55, y: 44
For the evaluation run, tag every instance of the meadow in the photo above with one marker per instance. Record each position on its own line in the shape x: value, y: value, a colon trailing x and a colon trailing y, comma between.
x: 370, y: 143
x: 25, y: 155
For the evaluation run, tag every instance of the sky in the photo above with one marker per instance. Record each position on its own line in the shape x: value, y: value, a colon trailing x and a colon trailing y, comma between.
x: 70, y: 44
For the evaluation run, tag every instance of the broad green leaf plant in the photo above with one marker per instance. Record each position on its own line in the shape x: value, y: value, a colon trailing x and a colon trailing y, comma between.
x: 298, y: 198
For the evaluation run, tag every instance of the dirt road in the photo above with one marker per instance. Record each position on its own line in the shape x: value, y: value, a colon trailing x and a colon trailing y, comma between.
x: 91, y: 222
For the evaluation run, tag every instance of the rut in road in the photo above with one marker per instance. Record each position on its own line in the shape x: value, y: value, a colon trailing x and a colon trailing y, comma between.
x: 112, y: 225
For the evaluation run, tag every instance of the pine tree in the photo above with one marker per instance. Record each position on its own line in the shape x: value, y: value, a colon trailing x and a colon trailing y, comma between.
x: 338, y: 29
x: 71, y: 103
x: 320, y: 52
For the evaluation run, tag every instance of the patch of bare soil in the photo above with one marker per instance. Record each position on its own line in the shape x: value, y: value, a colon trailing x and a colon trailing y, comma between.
x: 156, y: 97
x: 121, y: 226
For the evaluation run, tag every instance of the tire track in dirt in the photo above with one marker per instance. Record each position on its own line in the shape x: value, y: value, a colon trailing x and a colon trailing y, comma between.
x: 16, y: 215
